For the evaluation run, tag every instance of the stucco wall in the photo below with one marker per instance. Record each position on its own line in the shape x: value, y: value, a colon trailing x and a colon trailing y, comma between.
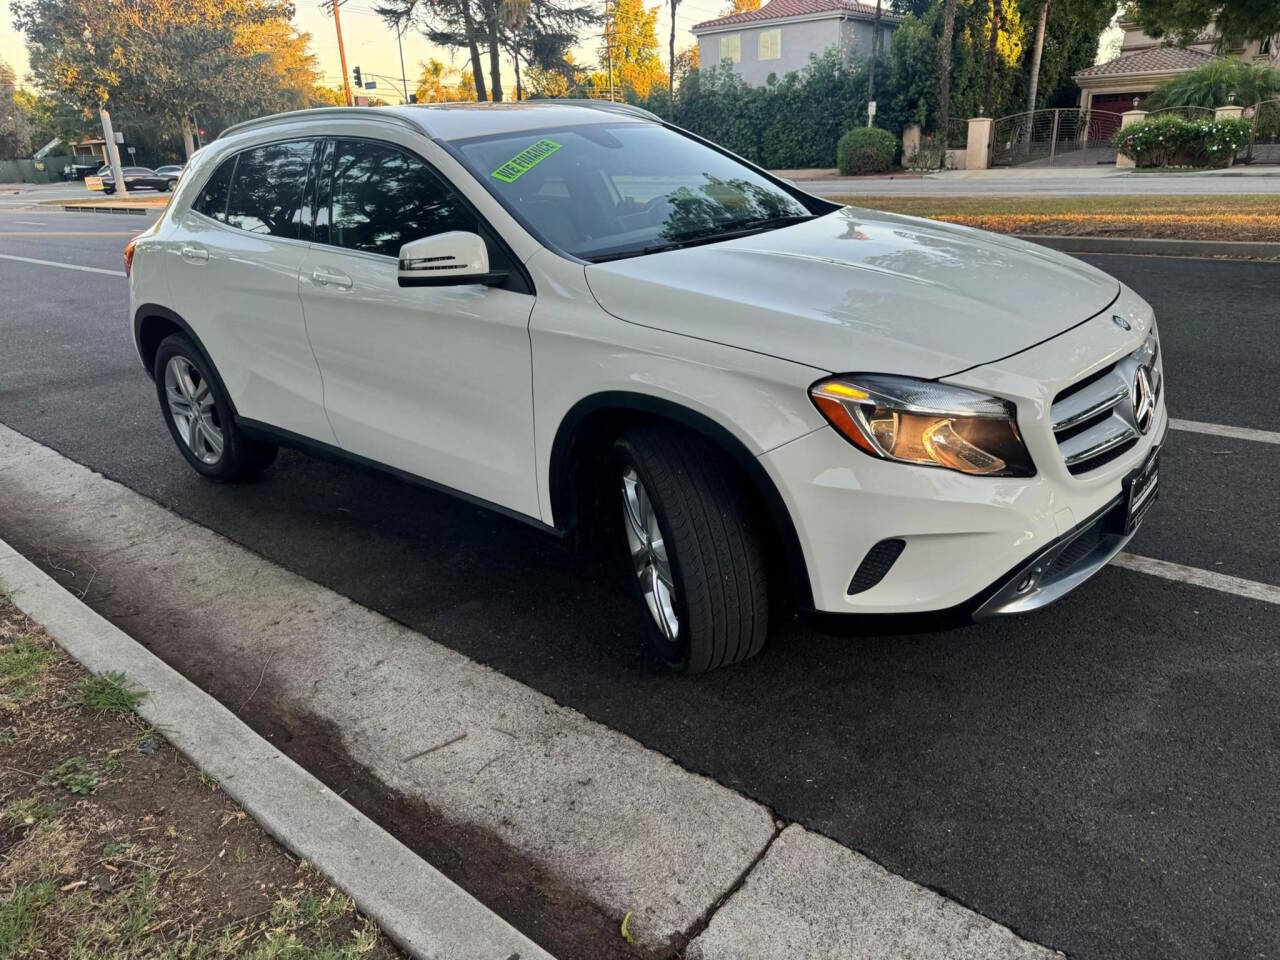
x: 800, y: 40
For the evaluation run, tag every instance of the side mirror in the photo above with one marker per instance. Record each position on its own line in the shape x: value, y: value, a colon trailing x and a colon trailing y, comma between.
x: 447, y: 259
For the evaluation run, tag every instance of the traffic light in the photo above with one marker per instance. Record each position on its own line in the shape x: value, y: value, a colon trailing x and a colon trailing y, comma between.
x: 355, y: 75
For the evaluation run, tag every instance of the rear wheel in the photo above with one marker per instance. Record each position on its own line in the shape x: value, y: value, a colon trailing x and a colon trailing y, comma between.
x: 695, y: 552
x: 199, y: 417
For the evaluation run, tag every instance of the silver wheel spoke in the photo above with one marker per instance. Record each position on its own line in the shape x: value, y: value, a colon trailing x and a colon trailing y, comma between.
x: 649, y: 558
x: 193, y: 409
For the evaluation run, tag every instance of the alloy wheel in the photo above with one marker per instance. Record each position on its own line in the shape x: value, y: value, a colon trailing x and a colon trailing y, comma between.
x: 649, y: 559
x: 192, y: 407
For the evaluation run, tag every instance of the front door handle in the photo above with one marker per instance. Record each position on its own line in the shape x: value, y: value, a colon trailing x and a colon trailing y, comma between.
x: 194, y: 254
x: 330, y: 278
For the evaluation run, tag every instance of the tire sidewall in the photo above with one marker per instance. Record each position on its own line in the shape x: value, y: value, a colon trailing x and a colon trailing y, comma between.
x: 674, y: 655
x: 178, y: 345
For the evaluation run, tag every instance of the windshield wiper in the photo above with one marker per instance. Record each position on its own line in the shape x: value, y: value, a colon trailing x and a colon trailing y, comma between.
x: 742, y: 228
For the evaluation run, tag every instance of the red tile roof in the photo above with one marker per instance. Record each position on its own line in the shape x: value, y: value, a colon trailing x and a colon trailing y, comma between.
x: 1154, y: 60
x: 782, y: 9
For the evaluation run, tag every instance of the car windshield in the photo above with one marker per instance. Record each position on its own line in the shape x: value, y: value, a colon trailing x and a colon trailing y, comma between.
x: 611, y: 190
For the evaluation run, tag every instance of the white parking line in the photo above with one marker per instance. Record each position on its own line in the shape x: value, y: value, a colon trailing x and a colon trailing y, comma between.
x: 1221, y: 430
x: 30, y: 223
x: 1200, y: 578
x: 64, y: 266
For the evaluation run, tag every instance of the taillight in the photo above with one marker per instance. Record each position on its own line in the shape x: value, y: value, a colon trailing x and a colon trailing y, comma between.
x: 128, y: 256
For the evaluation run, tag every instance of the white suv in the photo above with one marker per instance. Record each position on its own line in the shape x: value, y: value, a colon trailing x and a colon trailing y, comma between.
x: 581, y: 316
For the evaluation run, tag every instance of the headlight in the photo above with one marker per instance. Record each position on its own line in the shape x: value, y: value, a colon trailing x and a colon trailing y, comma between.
x: 927, y: 423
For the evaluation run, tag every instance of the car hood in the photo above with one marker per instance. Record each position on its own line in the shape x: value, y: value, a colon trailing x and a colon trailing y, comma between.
x: 860, y: 290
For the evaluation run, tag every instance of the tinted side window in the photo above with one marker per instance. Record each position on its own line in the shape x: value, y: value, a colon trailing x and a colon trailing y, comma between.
x: 381, y: 198
x: 212, y: 201
x: 266, y: 194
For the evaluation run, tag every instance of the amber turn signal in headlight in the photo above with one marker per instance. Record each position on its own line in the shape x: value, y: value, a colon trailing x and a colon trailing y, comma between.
x: 925, y: 423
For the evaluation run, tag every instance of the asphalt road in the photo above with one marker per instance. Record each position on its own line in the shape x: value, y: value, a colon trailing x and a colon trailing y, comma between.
x: 1049, y: 182
x: 1101, y: 776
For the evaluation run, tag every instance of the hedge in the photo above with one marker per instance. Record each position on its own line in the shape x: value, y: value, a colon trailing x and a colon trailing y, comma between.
x: 866, y: 150
x: 789, y: 123
x: 1171, y: 141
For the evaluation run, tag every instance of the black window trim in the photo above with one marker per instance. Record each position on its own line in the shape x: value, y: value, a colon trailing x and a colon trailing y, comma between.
x: 518, y: 280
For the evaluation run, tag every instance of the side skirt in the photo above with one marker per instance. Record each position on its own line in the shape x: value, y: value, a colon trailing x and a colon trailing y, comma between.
x: 267, y: 433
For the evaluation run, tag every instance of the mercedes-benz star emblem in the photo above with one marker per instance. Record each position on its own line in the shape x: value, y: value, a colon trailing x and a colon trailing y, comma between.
x: 1144, y: 399
x: 1121, y: 322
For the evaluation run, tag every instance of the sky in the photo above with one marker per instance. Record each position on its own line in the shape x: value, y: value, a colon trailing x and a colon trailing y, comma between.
x: 372, y: 46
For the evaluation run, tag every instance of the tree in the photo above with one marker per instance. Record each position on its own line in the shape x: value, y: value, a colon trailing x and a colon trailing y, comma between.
x: 633, y: 51
x: 741, y: 6
x: 671, y: 56
x: 944, y: 59
x: 15, y: 123
x: 1037, y: 51
x: 1184, y: 21
x: 440, y: 84
x: 166, y: 58
x: 993, y: 42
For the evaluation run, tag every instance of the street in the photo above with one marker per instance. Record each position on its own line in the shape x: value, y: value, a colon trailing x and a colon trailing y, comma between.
x: 1100, y: 777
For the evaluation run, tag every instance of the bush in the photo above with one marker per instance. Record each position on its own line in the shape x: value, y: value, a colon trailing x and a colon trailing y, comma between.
x: 792, y: 122
x: 1171, y: 141
x: 1214, y: 84
x: 866, y: 150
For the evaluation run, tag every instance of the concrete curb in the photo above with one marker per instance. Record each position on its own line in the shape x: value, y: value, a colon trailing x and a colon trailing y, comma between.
x: 421, y: 910
x: 1246, y: 249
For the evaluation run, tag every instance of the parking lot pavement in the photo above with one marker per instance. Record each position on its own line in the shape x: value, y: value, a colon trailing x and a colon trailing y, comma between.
x: 1099, y: 776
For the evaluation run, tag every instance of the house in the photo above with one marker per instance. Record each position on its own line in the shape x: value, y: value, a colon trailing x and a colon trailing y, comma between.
x: 1145, y: 63
x: 782, y: 35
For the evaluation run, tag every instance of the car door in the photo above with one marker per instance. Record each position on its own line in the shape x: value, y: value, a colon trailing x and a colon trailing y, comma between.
x: 233, y: 276
x: 435, y: 381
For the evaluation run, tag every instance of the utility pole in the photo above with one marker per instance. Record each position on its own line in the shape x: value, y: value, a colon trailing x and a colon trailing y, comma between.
x: 113, y: 152
x: 403, y: 80
x: 608, y: 47
x: 342, y: 53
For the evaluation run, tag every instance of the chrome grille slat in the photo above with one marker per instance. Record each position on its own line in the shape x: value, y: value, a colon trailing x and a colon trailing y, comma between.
x: 1097, y: 398
x: 1093, y: 443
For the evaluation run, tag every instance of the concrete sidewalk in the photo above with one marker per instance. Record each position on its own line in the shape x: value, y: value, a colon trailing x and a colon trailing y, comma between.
x: 565, y: 827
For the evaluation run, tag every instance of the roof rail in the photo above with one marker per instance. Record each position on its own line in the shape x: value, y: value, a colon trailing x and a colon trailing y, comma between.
x: 608, y: 106
x: 321, y: 113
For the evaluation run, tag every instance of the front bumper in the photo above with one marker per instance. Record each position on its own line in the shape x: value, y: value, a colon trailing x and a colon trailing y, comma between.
x: 963, y: 546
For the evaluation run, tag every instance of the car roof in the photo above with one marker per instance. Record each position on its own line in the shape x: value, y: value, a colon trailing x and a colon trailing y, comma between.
x: 456, y: 121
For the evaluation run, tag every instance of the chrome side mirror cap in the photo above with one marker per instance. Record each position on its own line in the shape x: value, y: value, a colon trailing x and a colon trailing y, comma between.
x: 447, y: 259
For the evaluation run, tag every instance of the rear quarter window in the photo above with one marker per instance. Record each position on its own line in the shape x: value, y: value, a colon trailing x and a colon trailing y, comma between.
x: 212, y: 201
x: 267, y: 189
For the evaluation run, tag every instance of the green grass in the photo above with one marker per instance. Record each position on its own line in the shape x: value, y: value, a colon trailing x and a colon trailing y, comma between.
x: 21, y: 662
x: 18, y: 915
x: 107, y: 693
x: 28, y: 813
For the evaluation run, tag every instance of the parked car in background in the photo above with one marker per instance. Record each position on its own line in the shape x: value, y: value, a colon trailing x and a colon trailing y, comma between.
x: 582, y: 316
x: 136, y: 178
x: 170, y: 170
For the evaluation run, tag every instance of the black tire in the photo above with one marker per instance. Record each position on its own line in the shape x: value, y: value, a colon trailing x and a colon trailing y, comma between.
x: 712, y: 543
x: 241, y: 458
x: 168, y: 185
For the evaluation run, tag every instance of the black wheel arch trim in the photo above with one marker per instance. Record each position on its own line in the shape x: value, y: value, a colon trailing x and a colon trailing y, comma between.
x: 147, y: 311
x: 564, y: 449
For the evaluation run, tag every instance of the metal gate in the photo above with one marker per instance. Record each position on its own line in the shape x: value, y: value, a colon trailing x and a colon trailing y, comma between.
x: 1264, y: 143
x: 1064, y: 137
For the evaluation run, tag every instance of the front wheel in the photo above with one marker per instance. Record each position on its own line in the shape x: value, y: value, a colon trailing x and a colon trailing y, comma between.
x: 694, y: 549
x: 198, y: 414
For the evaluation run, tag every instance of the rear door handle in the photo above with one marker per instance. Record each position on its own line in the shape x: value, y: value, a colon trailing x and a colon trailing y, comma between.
x: 330, y: 278
x: 194, y: 254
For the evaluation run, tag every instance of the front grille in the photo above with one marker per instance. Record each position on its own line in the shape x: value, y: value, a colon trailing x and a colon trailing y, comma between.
x: 1093, y: 418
